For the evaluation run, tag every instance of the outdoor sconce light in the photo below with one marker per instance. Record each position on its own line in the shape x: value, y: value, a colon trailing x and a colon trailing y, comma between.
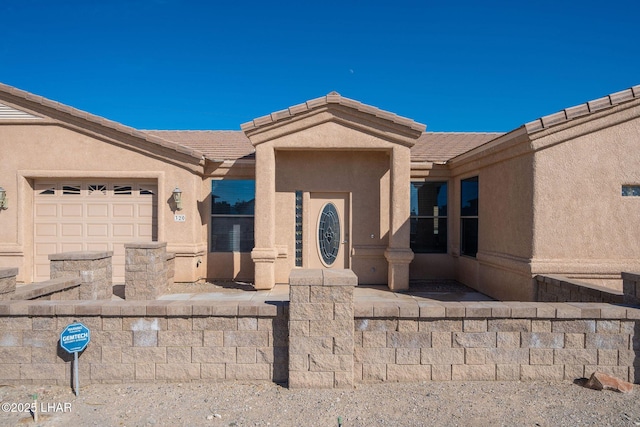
x: 177, y: 198
x: 4, y: 204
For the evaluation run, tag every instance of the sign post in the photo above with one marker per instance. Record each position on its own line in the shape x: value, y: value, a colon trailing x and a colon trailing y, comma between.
x: 75, y: 338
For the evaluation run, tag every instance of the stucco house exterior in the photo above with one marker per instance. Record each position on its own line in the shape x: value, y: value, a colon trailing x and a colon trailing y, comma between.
x: 329, y: 183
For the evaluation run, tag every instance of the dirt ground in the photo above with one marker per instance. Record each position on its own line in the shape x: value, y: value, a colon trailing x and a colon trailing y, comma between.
x: 268, y: 404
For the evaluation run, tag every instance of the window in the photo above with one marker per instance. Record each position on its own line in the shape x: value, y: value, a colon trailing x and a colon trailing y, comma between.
x: 469, y: 217
x: 631, y: 190
x: 429, y: 217
x: 232, y: 213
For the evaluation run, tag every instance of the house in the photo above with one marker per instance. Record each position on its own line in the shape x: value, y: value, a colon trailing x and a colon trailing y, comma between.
x: 330, y: 183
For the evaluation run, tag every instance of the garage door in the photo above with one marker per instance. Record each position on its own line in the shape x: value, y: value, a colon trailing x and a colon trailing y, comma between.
x: 92, y: 215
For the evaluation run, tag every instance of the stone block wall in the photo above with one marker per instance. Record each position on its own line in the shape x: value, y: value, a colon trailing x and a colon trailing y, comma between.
x: 7, y: 282
x: 171, y: 268
x: 631, y: 288
x: 553, y: 288
x: 495, y: 341
x: 144, y: 341
x: 321, y: 328
x: 145, y: 270
x: 93, y: 268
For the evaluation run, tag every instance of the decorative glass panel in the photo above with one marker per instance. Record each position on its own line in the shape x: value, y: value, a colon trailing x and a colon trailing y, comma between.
x: 298, y: 228
x: 48, y: 191
x: 122, y: 190
x: 146, y: 192
x: 71, y: 189
x: 631, y: 190
x: 97, y: 189
x: 329, y: 234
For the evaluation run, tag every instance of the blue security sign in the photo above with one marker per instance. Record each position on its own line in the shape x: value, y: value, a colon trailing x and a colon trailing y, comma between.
x: 75, y: 337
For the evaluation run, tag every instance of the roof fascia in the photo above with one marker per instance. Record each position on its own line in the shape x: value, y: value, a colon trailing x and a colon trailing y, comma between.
x: 82, y: 121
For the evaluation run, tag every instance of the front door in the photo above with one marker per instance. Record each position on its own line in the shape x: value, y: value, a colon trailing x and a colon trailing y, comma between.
x: 328, y: 230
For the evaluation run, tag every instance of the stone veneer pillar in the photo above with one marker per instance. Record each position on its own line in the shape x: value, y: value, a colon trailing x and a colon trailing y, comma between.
x: 145, y: 270
x: 7, y: 282
x: 321, y: 328
x: 92, y: 267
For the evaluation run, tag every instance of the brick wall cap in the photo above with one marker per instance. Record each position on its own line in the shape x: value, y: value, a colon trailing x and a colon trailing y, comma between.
x: 8, y: 272
x: 626, y: 275
x: 80, y: 256
x: 145, y: 245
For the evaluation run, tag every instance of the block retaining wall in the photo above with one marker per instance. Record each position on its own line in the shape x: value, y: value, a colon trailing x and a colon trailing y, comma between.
x: 145, y: 341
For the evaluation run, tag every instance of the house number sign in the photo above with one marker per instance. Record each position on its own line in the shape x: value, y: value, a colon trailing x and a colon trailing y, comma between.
x: 179, y: 217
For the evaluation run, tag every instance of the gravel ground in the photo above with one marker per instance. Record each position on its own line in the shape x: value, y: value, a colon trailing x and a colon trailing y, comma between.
x: 268, y: 404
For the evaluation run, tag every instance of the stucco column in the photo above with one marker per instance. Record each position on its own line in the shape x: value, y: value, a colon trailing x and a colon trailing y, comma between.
x: 399, y: 254
x: 264, y: 253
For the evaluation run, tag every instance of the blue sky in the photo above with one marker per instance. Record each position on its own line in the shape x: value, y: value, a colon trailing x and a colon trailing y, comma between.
x: 454, y: 65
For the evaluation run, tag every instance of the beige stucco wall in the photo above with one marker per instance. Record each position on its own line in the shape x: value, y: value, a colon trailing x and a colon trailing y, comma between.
x: 505, y: 217
x: 363, y: 176
x: 584, y: 228
x: 36, y: 151
x: 340, y: 157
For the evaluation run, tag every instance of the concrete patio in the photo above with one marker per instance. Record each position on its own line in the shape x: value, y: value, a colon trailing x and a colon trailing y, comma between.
x: 418, y: 291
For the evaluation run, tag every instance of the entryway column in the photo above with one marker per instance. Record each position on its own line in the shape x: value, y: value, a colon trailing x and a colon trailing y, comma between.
x: 399, y: 254
x: 264, y: 253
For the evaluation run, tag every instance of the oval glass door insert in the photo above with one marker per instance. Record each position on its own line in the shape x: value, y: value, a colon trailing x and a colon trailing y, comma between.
x: 329, y: 234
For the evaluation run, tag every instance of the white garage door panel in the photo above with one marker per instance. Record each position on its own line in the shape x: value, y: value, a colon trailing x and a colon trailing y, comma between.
x: 98, y: 210
x: 92, y: 215
x: 46, y: 210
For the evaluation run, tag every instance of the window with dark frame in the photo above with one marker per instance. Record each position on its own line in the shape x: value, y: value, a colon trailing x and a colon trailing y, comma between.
x: 429, y: 217
x: 232, y: 215
x: 469, y: 216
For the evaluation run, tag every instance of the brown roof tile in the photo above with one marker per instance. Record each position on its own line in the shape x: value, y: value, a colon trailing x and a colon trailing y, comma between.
x: 232, y: 145
x: 331, y: 98
x: 439, y: 147
x: 215, y: 145
x: 584, y: 109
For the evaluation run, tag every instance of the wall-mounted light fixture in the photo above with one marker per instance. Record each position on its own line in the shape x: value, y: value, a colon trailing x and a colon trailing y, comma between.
x: 4, y: 203
x: 177, y: 198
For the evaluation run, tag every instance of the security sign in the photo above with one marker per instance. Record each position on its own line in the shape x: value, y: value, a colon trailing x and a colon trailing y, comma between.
x: 75, y: 337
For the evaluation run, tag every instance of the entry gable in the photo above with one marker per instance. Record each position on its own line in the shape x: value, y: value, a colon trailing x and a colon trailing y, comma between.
x: 334, y: 108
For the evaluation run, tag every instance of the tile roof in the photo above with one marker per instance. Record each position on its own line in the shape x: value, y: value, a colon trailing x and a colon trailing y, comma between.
x: 233, y: 145
x: 214, y: 144
x: 439, y: 147
x: 331, y: 98
x: 584, y: 109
